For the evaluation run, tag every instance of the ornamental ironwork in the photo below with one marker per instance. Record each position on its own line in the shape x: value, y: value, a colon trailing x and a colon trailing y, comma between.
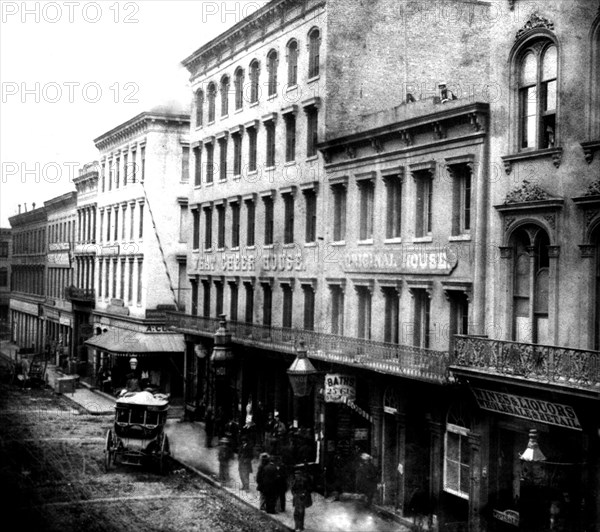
x: 578, y: 368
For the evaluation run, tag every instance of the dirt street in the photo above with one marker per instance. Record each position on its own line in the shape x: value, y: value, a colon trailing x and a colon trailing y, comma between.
x: 52, y: 478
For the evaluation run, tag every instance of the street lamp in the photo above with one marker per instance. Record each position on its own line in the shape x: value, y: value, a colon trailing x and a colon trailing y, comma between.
x: 222, y: 354
x: 301, y: 372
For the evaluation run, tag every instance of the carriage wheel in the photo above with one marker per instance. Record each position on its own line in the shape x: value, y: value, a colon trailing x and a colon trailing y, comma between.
x: 109, y: 451
x: 164, y: 454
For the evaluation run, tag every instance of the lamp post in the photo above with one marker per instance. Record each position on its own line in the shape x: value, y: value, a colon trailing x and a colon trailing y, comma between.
x: 222, y: 360
x: 532, y: 511
x: 301, y: 372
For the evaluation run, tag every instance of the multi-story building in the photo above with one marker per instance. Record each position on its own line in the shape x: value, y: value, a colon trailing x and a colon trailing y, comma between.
x: 256, y: 198
x: 28, y: 275
x: 422, y: 263
x: 81, y: 292
x: 137, y: 240
x: 5, y: 283
x: 58, y: 312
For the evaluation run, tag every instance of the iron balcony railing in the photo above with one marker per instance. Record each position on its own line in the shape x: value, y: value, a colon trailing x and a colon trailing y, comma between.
x: 566, y: 366
x: 73, y: 293
x: 408, y: 361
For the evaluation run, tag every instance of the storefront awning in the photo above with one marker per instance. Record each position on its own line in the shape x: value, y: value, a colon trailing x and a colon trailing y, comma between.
x: 124, y: 343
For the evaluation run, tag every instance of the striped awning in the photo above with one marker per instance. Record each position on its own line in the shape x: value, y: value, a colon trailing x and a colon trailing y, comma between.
x: 353, y: 406
x: 122, y: 342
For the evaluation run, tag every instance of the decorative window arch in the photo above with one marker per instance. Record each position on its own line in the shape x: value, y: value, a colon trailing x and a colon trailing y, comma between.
x: 225, y: 95
x: 239, y: 88
x: 199, y: 107
x: 593, y: 110
x: 272, y: 62
x: 254, y: 80
x: 292, y: 61
x: 314, y: 45
x: 212, y: 95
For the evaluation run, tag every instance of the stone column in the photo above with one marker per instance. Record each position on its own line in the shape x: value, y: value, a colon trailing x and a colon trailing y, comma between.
x: 475, y: 483
x: 436, y: 430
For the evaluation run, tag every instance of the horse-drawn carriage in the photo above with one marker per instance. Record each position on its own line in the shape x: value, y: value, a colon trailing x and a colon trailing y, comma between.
x: 138, y: 436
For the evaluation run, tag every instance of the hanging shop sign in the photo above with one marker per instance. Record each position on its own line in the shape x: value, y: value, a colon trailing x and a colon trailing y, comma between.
x: 527, y: 408
x: 507, y: 516
x: 339, y: 387
x: 410, y: 260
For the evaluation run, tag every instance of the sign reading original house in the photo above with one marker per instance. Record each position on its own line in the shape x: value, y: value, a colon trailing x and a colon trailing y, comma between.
x: 527, y: 408
x: 339, y: 388
x: 410, y: 260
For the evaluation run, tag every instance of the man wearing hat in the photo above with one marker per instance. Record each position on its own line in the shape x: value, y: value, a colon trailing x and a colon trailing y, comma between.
x: 366, y: 478
x: 301, y: 497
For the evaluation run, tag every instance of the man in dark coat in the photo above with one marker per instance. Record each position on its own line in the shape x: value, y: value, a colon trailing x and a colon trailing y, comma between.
x: 282, y: 485
x: 267, y: 479
x: 301, y: 488
x: 245, y: 462
x: 366, y: 478
x: 209, y: 426
x: 263, y: 461
x: 225, y: 456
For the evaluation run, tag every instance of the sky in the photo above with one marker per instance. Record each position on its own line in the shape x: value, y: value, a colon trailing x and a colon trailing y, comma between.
x: 72, y: 70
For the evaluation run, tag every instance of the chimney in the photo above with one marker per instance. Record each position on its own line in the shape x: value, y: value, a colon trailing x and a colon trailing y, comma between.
x: 25, y: 207
x: 33, y: 206
x: 19, y: 208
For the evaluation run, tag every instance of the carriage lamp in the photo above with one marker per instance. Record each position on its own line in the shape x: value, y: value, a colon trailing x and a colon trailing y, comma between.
x: 301, y: 372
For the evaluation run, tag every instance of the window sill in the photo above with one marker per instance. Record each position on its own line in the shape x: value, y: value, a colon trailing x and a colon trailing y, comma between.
x: 251, y: 248
x: 396, y: 240
x: 459, y: 238
x: 196, y: 187
x: 366, y: 242
x: 289, y: 245
x: 254, y: 104
x: 197, y: 250
x: 210, y: 123
x: 271, y: 97
x: 237, y: 111
x: 422, y: 240
x: 207, y: 250
x: 237, y: 177
x: 234, y: 248
x: 223, y: 117
x: 338, y: 243
x: 199, y: 127
x: 290, y: 163
x: 209, y: 184
x: 554, y: 153
x: 270, y: 168
x: 222, y: 180
x: 312, y: 158
x: 268, y: 246
x: 221, y: 248
x: 310, y: 244
x: 313, y: 79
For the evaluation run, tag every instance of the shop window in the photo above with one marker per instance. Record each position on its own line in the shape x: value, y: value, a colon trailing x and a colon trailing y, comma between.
x: 456, y: 461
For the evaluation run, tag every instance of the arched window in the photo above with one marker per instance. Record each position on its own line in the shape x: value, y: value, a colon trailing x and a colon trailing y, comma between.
x: 254, y: 79
x: 199, y: 107
x: 292, y: 59
x: 531, y: 285
x: 212, y: 94
x: 594, y: 100
x: 224, y: 95
x: 272, y: 67
x: 538, y: 94
x: 239, y: 88
x: 314, y: 44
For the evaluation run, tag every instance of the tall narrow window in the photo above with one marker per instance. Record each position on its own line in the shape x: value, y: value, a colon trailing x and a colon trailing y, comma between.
x: 339, y: 212
x: 212, y: 95
x: 337, y: 309
x: 196, y: 229
x: 288, y: 207
x: 290, y: 137
x: 292, y: 58
x: 100, y: 278
x: 424, y: 204
x: 233, y: 301
x: 237, y: 154
x: 251, y: 149
x: 393, y: 226
x: 108, y: 224
x: 459, y: 316
x: 310, y: 232
x: 207, y: 227
x: 133, y: 165
x: 272, y: 63
x: 461, y: 199
x: 130, y: 283
x: 392, y: 316
x: 225, y: 96
x: 219, y: 297
x: 366, y: 208
x: 199, y: 107
x: 267, y: 303
x: 143, y: 163
x: 107, y: 279
x: 254, y: 81
x: 314, y: 45
x: 538, y: 95
x: 117, y: 171
x: 288, y: 297
x: 422, y: 304
x: 312, y: 129
x: 221, y: 226
x: 194, y: 284
x: 125, y: 168
x: 185, y: 164
x: 457, y: 461
x: 270, y: 155
x: 239, y: 88
x: 309, y: 307
x: 131, y: 221
x: 364, y: 312
x: 250, y: 221
x: 123, y: 274
x: 235, y: 224
x: 140, y: 265
x: 113, y: 293
x: 268, y: 203
x: 111, y: 172
x: 102, y: 224
x: 210, y: 162
x: 141, y: 233
x: 249, y: 311
x: 206, y: 298
x: 197, y: 166
x: 223, y: 159
x: 183, y: 218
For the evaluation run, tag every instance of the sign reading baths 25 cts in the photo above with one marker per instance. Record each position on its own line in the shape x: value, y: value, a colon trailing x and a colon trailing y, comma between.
x: 436, y: 260
x: 339, y: 388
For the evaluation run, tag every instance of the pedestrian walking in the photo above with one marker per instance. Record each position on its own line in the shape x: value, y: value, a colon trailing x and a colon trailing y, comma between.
x: 245, y: 462
x: 282, y: 484
x: 268, y: 481
x: 301, y: 498
x: 366, y: 478
x: 209, y: 426
x: 225, y: 456
x: 264, y: 460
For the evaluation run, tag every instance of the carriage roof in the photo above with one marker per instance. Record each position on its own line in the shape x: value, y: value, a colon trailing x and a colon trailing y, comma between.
x: 145, y: 398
